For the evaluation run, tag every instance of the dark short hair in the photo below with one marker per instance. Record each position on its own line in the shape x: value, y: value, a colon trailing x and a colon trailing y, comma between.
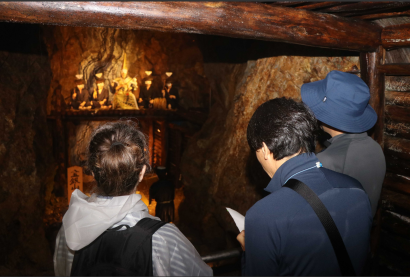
x: 285, y: 126
x: 117, y: 153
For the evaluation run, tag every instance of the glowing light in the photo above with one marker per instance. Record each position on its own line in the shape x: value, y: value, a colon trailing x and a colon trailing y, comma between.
x: 148, y: 72
x: 158, y: 130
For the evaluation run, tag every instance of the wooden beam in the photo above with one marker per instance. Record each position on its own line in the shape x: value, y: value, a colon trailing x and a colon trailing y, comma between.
x: 397, y: 183
x: 364, y: 6
x: 232, y: 19
x: 393, y: 9
x: 396, y: 223
x: 318, y: 5
x: 397, y: 148
x: 396, y: 243
x: 397, y: 129
x: 401, y: 98
x: 393, y: 200
x: 288, y: 3
x: 398, y: 114
x: 397, y: 166
x: 398, y: 83
x: 394, y: 262
x: 397, y: 69
x: 371, y: 74
x: 396, y: 36
x: 382, y: 15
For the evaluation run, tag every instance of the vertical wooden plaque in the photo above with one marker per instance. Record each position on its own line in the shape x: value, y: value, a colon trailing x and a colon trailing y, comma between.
x: 74, y: 180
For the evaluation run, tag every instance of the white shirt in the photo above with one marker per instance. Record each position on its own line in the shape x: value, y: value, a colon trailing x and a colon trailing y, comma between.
x: 88, y: 217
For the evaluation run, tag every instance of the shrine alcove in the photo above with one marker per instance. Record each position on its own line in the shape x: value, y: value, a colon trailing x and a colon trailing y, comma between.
x: 222, y: 73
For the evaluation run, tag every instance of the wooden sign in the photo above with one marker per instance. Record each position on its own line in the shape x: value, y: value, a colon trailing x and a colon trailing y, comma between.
x: 74, y: 180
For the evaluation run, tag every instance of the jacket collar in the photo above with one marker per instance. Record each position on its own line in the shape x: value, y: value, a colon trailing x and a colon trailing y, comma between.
x: 289, y: 168
x: 348, y: 136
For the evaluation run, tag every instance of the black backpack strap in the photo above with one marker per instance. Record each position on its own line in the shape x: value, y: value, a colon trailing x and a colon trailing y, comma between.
x: 150, y: 225
x: 323, y: 214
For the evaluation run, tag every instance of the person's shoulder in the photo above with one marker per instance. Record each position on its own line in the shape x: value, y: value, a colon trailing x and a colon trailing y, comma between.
x: 169, y: 233
x: 279, y: 204
x: 340, y: 180
x: 370, y: 143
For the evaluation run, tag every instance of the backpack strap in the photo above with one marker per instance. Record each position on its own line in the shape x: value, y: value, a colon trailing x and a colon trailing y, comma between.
x: 150, y: 225
x: 323, y: 214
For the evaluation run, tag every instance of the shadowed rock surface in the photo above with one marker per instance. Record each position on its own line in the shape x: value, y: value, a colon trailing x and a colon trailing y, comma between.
x: 26, y: 160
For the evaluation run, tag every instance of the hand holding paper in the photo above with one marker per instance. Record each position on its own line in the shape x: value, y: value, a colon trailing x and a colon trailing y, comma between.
x: 238, y: 218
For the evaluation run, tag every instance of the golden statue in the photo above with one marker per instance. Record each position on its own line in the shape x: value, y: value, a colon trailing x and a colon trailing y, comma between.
x: 124, y: 85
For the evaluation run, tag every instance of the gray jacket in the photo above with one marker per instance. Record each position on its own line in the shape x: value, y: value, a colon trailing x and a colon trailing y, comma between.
x: 360, y: 157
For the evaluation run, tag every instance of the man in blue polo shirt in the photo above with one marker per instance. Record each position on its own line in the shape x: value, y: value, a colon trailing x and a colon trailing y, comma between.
x: 283, y: 235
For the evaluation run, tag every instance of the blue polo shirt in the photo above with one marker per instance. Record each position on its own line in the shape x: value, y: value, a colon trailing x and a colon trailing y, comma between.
x: 284, y: 236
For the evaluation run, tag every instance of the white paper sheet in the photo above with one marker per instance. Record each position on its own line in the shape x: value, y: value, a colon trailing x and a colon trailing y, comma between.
x: 238, y: 218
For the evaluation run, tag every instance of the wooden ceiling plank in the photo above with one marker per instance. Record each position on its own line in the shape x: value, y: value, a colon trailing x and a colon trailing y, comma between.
x: 396, y: 36
x: 395, y: 69
x: 231, y: 19
x: 392, y: 8
x: 288, y: 3
x: 382, y: 15
x: 360, y: 6
x: 319, y: 5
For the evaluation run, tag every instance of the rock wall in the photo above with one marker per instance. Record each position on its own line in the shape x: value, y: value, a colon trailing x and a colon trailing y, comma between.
x: 26, y: 161
x: 218, y: 169
x: 76, y: 50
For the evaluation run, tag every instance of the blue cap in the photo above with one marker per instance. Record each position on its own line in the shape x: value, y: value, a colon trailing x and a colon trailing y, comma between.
x: 341, y: 100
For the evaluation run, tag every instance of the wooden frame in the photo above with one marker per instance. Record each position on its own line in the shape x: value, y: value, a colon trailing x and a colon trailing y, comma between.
x: 232, y: 19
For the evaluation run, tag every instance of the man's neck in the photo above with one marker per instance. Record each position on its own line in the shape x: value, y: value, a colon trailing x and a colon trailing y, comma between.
x: 332, y: 132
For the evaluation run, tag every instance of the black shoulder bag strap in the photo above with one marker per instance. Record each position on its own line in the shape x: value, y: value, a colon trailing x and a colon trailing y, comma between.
x: 339, y: 247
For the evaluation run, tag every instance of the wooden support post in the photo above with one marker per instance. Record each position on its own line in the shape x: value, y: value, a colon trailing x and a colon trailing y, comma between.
x: 233, y: 19
x: 375, y: 80
x: 370, y: 73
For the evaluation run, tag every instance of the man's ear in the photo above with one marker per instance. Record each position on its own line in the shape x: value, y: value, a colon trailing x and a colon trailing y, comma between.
x: 142, y: 173
x: 265, y: 151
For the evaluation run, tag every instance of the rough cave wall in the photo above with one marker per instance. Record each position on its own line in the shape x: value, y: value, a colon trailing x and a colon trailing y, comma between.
x: 77, y: 50
x: 218, y: 168
x: 394, y: 240
x: 26, y: 160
